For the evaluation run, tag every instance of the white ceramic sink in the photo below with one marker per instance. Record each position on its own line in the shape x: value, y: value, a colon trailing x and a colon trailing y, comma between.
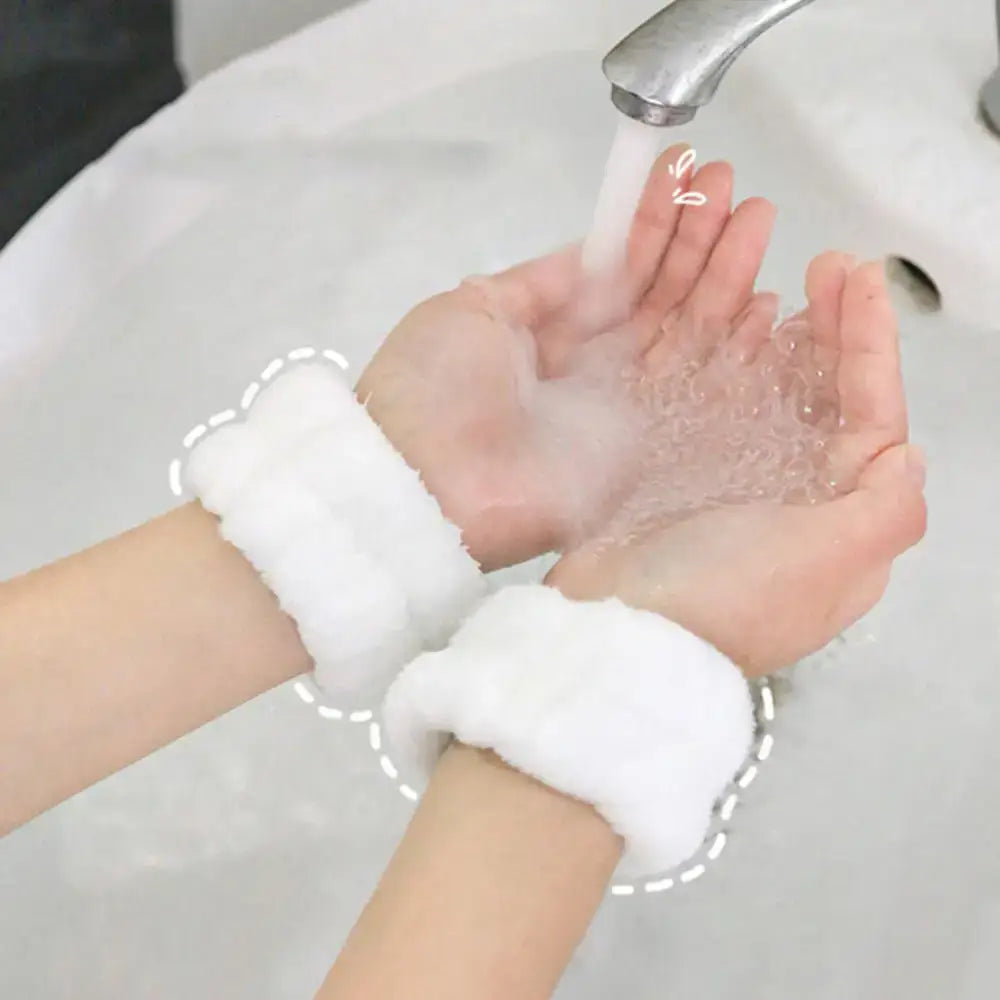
x: 257, y: 217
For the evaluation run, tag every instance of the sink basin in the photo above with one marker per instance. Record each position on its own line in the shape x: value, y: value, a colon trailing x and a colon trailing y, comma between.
x: 256, y: 217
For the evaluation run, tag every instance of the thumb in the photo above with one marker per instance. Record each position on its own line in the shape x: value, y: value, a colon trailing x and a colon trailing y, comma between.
x: 532, y: 291
x: 886, y: 513
x: 899, y: 467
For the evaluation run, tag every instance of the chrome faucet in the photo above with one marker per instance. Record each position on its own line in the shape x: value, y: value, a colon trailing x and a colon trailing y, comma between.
x: 989, y: 98
x: 669, y: 67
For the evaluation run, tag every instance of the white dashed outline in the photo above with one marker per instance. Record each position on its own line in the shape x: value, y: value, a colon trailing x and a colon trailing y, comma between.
x: 306, y: 689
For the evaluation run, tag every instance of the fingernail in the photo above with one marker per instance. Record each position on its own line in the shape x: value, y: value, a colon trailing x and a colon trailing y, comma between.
x: 916, y: 465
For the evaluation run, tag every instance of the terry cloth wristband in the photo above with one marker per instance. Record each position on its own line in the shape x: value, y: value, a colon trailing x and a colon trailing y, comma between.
x: 341, y: 529
x: 617, y: 707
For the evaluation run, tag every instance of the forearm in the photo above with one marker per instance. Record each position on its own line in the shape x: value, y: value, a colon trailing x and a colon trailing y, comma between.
x: 121, y: 649
x: 488, y: 895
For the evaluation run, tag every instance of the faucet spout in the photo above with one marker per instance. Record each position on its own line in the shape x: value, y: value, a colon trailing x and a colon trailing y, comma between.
x: 671, y: 65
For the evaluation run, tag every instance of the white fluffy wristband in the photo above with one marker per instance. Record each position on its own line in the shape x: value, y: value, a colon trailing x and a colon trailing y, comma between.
x: 339, y: 526
x: 617, y: 707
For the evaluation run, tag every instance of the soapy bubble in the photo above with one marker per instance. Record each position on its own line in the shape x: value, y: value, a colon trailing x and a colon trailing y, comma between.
x: 632, y: 448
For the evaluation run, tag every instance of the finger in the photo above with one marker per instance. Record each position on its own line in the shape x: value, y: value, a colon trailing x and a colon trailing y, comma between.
x: 753, y: 329
x: 869, y: 379
x: 680, y: 339
x: 825, y: 280
x: 728, y: 280
x: 531, y: 292
x: 698, y: 230
x: 740, y: 340
x: 656, y: 220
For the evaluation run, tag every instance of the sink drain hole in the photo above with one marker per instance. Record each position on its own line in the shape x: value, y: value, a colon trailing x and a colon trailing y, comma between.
x: 915, y: 280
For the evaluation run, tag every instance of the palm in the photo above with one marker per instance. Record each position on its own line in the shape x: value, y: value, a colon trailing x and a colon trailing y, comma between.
x: 769, y: 583
x: 449, y: 385
x: 441, y: 388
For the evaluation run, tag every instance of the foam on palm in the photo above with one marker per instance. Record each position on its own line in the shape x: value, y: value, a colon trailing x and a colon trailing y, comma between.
x: 732, y: 433
x: 638, y: 449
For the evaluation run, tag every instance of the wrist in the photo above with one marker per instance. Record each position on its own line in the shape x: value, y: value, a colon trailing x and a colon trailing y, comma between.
x: 488, y: 894
x: 446, y: 481
x: 544, y: 807
x: 552, y: 684
x: 597, y: 574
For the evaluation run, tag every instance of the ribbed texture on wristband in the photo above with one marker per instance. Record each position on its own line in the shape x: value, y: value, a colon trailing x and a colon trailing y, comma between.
x: 340, y: 528
x: 617, y: 707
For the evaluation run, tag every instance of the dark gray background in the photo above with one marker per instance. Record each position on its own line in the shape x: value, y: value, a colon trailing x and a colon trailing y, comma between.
x: 75, y: 75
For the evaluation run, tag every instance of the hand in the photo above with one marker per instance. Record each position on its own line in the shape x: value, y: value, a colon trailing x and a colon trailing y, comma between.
x: 448, y: 387
x: 770, y: 583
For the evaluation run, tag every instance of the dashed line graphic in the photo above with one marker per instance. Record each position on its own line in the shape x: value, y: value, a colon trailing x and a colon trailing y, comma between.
x: 310, y: 694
